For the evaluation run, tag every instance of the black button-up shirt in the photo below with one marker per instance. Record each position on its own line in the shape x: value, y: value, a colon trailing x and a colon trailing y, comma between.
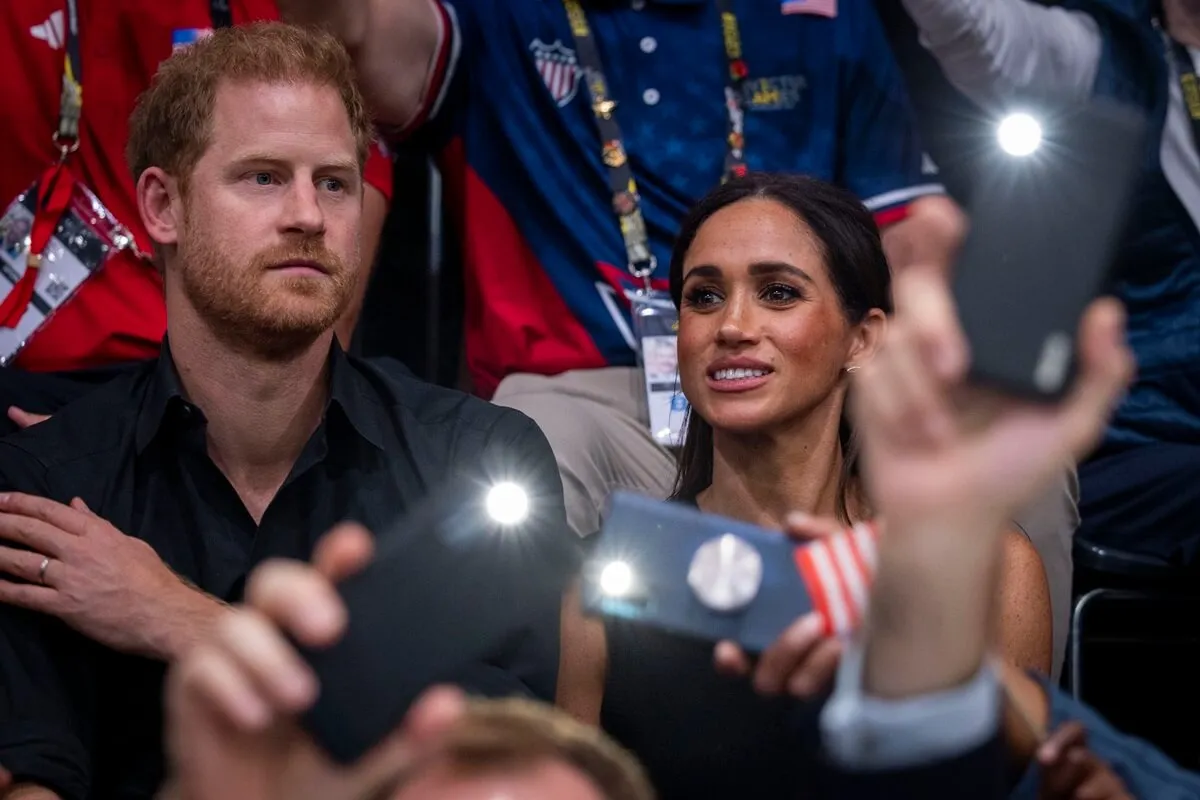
x: 85, y: 721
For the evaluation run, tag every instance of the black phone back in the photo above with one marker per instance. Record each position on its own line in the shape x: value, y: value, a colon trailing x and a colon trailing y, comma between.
x: 433, y: 606
x: 1044, y: 233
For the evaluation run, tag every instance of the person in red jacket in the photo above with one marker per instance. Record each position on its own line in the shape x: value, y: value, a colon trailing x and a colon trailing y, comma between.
x: 77, y: 322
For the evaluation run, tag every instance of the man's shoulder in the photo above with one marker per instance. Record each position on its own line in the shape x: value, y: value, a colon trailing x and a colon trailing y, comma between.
x: 90, y: 428
x: 418, y: 408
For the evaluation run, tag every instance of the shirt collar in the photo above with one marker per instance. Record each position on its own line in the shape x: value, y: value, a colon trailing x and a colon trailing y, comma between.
x: 345, y: 392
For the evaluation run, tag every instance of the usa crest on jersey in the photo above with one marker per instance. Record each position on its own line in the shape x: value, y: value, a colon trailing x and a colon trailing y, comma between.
x: 559, y: 68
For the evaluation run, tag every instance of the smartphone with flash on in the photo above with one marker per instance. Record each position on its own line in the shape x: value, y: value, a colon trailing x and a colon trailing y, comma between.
x: 436, y: 604
x: 702, y: 576
x: 1048, y: 210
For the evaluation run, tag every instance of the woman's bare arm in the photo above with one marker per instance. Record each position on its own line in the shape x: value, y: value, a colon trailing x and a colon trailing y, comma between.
x: 1026, y: 637
x: 583, y: 662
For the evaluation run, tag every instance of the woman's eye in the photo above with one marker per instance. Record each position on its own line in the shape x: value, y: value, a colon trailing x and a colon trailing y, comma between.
x: 780, y: 293
x: 702, y: 297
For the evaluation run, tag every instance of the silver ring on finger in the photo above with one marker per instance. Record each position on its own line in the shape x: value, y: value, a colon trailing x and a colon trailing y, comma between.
x: 42, y: 570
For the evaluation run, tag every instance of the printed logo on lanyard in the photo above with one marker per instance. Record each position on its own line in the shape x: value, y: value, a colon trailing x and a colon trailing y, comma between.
x: 56, y: 234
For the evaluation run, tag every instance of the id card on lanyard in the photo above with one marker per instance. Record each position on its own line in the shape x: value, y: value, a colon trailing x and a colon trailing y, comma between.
x: 656, y: 327
x: 56, y: 234
x: 655, y: 318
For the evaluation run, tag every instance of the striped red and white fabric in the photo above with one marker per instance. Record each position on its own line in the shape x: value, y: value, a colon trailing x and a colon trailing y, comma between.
x: 838, y: 572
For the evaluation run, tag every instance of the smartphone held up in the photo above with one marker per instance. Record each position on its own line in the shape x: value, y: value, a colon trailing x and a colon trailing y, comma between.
x: 1050, y: 202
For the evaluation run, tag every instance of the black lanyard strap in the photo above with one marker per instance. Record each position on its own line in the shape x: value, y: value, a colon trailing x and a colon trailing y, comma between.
x: 222, y: 17
x: 70, y: 107
x: 70, y: 104
x: 626, y: 200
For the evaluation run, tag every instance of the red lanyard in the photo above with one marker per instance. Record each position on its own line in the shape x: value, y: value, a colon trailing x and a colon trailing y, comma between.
x: 54, y: 187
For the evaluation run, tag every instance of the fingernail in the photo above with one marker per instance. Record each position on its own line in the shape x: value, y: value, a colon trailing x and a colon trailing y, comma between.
x: 812, y: 624
x: 4, y: 498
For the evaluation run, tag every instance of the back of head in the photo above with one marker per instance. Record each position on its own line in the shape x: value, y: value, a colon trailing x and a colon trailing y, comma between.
x: 513, y: 736
x: 171, y: 123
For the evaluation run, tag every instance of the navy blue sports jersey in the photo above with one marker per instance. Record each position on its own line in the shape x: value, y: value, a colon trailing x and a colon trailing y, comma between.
x: 545, y: 261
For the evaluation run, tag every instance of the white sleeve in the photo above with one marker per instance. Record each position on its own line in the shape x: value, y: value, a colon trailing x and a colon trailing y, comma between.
x: 860, y: 732
x: 991, y: 49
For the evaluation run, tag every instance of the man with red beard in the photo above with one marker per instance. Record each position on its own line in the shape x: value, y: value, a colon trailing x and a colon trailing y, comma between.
x: 129, y: 520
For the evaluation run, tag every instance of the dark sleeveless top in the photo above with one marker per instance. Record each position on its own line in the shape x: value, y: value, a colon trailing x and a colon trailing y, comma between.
x: 699, y: 734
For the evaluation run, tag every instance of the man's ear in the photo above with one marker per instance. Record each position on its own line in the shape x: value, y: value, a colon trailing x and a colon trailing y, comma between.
x: 160, y: 205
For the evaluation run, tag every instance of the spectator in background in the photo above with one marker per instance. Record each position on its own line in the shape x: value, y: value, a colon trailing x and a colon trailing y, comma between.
x: 117, y: 314
x: 131, y: 518
x: 1141, y: 491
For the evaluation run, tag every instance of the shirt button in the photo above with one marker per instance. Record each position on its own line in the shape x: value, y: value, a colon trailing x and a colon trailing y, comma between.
x: 638, y: 5
x: 649, y: 44
x: 650, y: 97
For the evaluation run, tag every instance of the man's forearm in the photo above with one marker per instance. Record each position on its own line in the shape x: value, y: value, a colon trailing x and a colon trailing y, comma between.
x: 932, y: 615
x: 348, y: 20
x: 182, y: 622
x: 929, y: 235
x: 393, y: 43
x: 990, y: 49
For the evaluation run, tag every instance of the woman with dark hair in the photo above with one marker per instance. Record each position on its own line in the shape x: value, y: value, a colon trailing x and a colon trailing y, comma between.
x: 783, y: 292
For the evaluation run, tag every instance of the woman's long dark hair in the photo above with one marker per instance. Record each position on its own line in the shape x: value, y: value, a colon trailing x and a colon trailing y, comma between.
x: 849, y: 241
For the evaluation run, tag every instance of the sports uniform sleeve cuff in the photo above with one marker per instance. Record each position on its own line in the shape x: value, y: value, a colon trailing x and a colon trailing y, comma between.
x: 866, y: 733
x: 441, y: 74
x: 892, y: 207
